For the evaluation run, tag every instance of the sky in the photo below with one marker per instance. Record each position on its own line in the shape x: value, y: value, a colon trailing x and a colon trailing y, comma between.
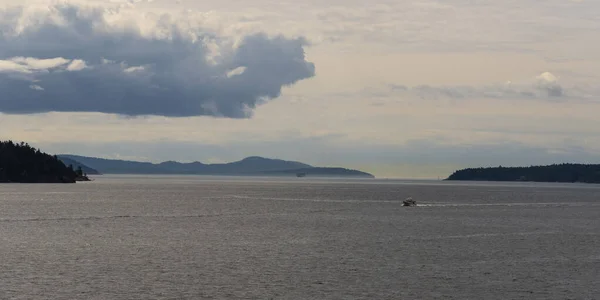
x: 401, y: 89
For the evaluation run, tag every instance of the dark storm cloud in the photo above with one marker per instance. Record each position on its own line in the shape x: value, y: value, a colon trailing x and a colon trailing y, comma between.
x: 69, y: 58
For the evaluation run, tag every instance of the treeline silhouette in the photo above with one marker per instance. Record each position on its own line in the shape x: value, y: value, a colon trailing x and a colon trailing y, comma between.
x: 552, y: 173
x: 19, y: 162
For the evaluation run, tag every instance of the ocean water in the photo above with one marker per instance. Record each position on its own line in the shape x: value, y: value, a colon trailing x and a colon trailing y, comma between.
x: 188, y: 237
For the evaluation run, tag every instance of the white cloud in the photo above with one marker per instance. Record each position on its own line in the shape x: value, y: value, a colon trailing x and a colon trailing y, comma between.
x: 545, y: 86
x: 134, y: 69
x: 7, y: 66
x: 235, y: 72
x: 40, y: 64
x: 76, y: 65
x: 549, y: 83
x: 31, y: 64
x: 547, y: 77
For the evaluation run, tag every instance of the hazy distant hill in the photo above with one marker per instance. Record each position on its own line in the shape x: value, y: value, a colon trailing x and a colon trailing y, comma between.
x: 551, y: 173
x: 248, y: 166
x: 322, y: 172
x: 87, y: 170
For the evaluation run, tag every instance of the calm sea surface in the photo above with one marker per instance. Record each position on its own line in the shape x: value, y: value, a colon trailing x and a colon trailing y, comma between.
x: 239, y: 238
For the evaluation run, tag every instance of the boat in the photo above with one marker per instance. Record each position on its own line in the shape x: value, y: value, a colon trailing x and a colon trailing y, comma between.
x: 409, y: 202
x: 300, y: 174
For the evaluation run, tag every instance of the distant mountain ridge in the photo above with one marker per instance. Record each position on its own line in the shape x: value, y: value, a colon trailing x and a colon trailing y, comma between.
x: 75, y: 164
x: 253, y: 165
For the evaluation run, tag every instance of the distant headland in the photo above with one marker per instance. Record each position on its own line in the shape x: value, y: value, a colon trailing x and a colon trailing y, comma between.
x: 583, y: 173
x: 21, y: 163
x: 250, y: 166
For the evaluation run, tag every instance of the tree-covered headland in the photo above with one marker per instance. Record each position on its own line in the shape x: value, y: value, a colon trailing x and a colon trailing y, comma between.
x: 584, y: 173
x: 21, y: 163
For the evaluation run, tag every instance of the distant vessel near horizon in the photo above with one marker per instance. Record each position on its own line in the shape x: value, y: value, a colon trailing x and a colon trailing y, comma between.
x: 300, y: 174
x: 409, y: 202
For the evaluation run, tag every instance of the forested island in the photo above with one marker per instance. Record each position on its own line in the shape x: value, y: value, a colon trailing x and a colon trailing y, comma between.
x: 21, y: 163
x: 584, y: 173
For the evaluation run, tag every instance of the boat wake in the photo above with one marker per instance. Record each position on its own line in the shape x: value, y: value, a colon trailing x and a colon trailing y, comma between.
x: 531, y: 204
x: 97, y: 218
x: 314, y: 200
x: 484, y: 235
x: 420, y: 204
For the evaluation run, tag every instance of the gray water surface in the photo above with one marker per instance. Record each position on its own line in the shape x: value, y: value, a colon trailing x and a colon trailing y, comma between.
x: 188, y: 237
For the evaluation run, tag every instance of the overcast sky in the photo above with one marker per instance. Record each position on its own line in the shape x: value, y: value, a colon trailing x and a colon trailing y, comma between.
x: 397, y: 88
